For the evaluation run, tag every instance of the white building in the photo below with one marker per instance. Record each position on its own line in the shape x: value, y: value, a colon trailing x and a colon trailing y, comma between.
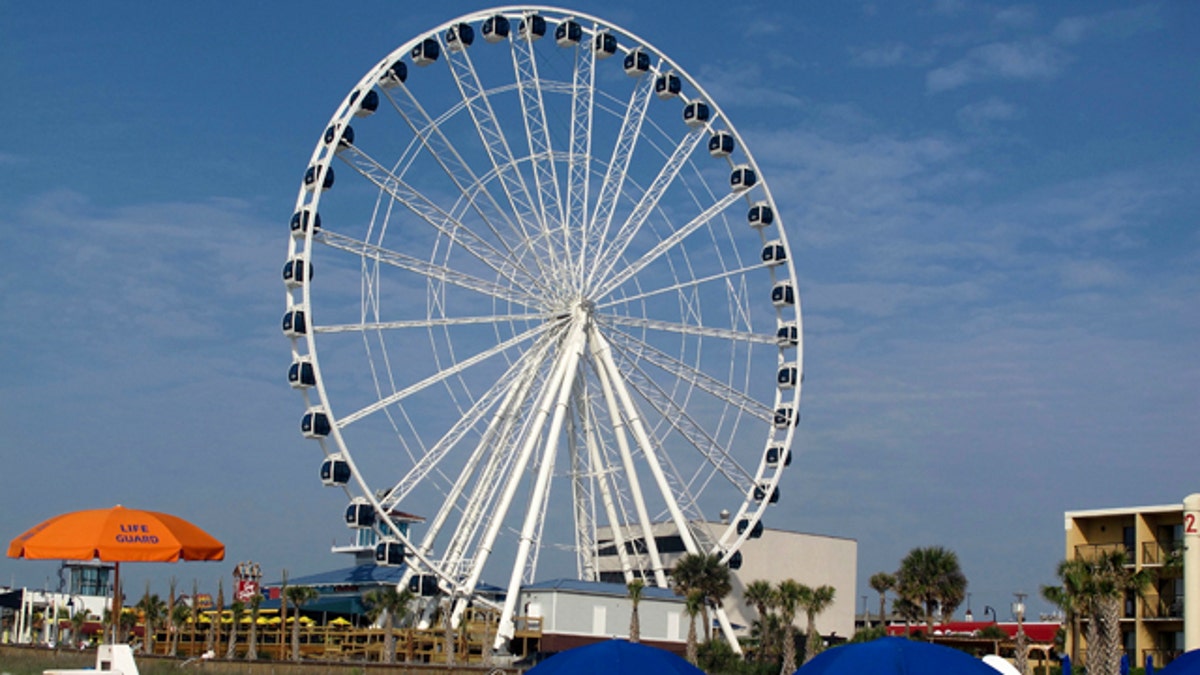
x: 574, y: 613
x: 776, y: 555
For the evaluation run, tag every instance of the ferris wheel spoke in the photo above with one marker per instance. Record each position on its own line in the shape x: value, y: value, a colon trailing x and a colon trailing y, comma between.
x: 676, y: 368
x: 689, y: 329
x: 691, y: 284
x: 428, y: 323
x: 416, y: 202
x: 425, y: 269
x: 509, y: 385
x: 447, y: 155
x: 607, y: 284
x: 439, y: 377
x: 622, y: 154
x: 685, y: 424
x: 537, y: 133
x: 494, y: 140
x: 650, y: 200
x: 578, y: 174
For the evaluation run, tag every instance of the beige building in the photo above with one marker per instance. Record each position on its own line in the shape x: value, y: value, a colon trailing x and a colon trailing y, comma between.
x: 1152, y: 538
x: 776, y: 555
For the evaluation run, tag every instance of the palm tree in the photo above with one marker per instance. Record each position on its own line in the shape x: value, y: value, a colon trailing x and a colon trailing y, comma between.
x: 283, y: 610
x: 127, y: 621
x: 153, y: 610
x: 931, y: 578
x: 761, y: 594
x: 881, y: 583
x: 635, y: 588
x: 238, y: 610
x: 1114, y: 581
x: 252, y: 647
x: 299, y: 596
x: 706, y: 573
x: 789, y: 594
x: 815, y: 601
x: 694, y: 605
x: 448, y: 625
x: 77, y: 621
x: 220, y: 614
x: 384, y: 605
x: 179, y: 618
x: 909, y: 611
x: 1072, y: 597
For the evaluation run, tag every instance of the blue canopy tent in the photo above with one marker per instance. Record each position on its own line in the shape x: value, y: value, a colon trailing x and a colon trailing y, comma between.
x: 894, y: 656
x: 615, y: 657
x: 1187, y: 664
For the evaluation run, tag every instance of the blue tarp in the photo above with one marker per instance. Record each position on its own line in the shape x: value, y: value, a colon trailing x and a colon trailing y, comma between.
x: 1187, y: 664
x: 894, y: 656
x: 615, y: 657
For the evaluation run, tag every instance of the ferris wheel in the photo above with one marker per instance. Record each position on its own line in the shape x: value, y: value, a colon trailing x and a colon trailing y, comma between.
x: 539, y: 294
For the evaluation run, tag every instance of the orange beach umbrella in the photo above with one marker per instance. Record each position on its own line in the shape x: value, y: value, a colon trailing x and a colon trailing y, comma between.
x: 116, y: 535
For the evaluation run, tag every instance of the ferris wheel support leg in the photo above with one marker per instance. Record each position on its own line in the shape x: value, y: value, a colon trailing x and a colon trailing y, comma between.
x: 610, y: 509
x: 573, y: 348
x: 643, y: 439
x: 631, y: 477
x: 510, y: 487
x: 727, y: 630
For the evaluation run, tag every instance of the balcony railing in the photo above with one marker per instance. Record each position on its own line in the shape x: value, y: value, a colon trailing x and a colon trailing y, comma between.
x: 1162, y: 608
x: 1154, y: 553
x: 1161, y: 656
x: 1093, y: 551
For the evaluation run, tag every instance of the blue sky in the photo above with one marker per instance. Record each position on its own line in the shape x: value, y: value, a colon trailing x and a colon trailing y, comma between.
x: 992, y: 209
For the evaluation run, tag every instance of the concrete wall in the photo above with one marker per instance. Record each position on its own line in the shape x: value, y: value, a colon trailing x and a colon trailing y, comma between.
x: 810, y: 559
x: 605, y: 616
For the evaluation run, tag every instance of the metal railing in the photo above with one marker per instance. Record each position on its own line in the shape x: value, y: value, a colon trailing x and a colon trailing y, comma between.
x: 1093, y: 551
x: 1161, y: 656
x: 1162, y: 608
x: 1154, y: 553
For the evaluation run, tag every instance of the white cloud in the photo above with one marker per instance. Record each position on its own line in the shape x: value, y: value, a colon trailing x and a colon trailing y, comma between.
x: 1114, y: 24
x: 888, y: 55
x: 1024, y: 60
x: 1017, y: 16
x: 981, y: 114
x: 1091, y: 274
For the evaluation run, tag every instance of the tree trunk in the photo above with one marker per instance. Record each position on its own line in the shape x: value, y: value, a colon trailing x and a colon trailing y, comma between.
x: 691, y: 641
x: 296, y: 635
x: 389, y: 640
x: 1110, y: 636
x: 252, y: 649
x: 231, y: 650
x: 1094, y: 650
x: 789, y: 651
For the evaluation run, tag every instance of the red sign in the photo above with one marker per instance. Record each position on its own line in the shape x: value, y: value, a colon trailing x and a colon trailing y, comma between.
x: 246, y: 589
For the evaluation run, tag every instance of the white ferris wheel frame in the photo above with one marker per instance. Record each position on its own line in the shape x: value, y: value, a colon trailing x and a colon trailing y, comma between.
x: 585, y: 218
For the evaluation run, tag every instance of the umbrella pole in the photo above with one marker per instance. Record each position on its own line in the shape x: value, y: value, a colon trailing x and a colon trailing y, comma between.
x: 116, y: 603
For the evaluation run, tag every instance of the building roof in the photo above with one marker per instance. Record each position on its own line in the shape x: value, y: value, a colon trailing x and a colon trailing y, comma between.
x: 1126, y: 511
x: 1036, y: 631
x: 599, y: 588
x: 369, y: 574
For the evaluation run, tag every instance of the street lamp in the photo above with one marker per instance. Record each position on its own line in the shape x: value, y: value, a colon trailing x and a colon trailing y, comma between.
x: 989, y: 608
x: 1020, y: 646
